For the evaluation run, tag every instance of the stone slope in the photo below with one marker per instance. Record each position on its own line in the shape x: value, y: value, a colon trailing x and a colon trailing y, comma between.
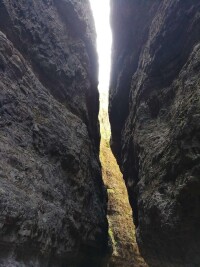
x: 155, y: 117
x: 121, y: 228
x: 52, y: 199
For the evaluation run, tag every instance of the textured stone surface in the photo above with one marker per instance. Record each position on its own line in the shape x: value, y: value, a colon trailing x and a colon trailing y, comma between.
x: 155, y: 123
x: 121, y: 228
x: 125, y: 251
x: 52, y: 199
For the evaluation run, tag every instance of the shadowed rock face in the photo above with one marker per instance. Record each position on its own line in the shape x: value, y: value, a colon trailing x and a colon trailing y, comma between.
x: 155, y: 122
x: 52, y: 199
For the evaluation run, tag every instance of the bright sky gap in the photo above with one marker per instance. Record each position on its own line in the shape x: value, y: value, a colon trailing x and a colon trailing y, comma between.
x: 101, y: 13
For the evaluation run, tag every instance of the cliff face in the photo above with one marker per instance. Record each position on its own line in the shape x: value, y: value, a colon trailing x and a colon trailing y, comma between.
x: 125, y: 251
x: 155, y: 123
x: 121, y: 228
x: 52, y: 199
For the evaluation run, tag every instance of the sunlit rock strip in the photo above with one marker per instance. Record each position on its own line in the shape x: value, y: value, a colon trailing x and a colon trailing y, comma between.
x: 52, y: 199
x: 121, y: 228
x: 155, y: 122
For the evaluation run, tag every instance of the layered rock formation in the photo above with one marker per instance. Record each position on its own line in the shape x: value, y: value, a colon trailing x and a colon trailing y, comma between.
x: 121, y: 228
x: 52, y: 199
x: 155, y: 123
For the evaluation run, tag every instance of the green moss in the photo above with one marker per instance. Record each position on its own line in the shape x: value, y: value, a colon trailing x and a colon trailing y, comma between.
x: 111, y: 235
x: 110, y: 191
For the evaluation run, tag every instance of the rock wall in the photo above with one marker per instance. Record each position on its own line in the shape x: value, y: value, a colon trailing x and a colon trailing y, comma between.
x: 155, y: 122
x: 52, y: 199
x: 125, y: 251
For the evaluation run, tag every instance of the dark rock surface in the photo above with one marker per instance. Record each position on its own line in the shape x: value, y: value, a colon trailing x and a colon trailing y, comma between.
x: 155, y: 122
x: 52, y: 199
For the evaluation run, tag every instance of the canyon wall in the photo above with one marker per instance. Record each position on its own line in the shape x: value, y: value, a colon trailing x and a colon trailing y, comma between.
x: 52, y: 198
x: 154, y: 109
x: 125, y: 251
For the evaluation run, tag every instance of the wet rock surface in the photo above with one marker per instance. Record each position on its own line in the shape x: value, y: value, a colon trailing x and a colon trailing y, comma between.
x: 52, y: 199
x: 155, y: 117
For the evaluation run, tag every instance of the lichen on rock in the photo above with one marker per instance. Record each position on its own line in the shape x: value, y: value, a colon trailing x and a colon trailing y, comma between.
x: 125, y: 251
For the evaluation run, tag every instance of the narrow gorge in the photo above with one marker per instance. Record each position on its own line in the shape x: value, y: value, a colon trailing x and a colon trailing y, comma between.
x: 65, y: 201
x: 125, y: 252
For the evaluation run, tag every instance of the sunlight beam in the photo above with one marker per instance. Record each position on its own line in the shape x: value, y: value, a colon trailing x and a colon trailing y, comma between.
x: 101, y: 13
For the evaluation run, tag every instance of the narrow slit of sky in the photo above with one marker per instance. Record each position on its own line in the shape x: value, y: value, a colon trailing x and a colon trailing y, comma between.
x: 101, y: 14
